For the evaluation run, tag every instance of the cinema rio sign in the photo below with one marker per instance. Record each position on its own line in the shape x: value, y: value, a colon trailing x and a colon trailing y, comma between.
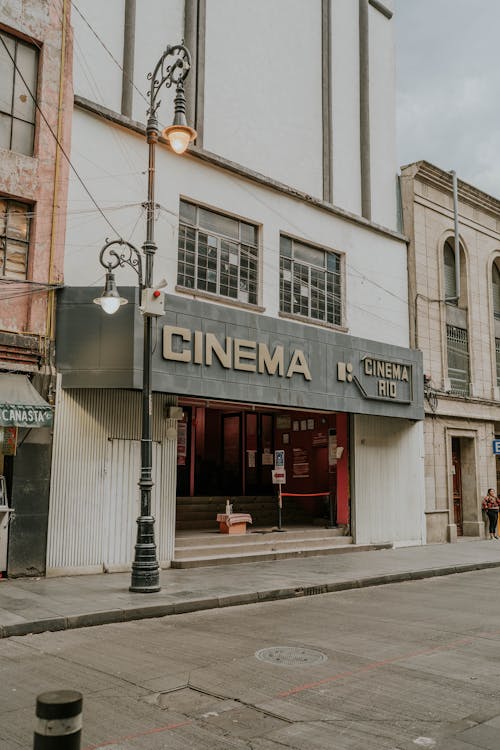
x: 199, y: 348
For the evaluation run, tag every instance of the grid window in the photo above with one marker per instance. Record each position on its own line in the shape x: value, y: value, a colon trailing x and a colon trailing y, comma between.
x: 310, y: 282
x: 14, y: 238
x: 18, y: 81
x: 458, y: 360
x: 217, y: 254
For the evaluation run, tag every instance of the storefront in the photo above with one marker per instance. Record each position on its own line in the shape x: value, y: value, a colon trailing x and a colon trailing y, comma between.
x: 231, y: 387
x: 23, y: 503
x: 227, y: 449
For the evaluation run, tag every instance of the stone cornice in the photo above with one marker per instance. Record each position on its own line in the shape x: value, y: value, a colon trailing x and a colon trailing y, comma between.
x: 432, y: 175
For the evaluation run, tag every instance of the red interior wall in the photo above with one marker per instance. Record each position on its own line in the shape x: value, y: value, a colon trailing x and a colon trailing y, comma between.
x: 343, y: 470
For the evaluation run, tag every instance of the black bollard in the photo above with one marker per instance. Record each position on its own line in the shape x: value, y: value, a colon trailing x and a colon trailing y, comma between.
x: 58, y: 721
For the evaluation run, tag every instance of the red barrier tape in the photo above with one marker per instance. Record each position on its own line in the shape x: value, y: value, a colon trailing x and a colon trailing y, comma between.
x: 304, y: 494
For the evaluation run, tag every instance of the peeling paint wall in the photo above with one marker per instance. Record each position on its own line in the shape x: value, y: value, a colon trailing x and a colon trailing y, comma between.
x: 40, y: 179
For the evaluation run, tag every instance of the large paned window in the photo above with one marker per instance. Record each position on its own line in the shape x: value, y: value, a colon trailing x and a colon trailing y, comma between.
x: 458, y: 360
x: 17, y: 108
x: 14, y: 238
x: 310, y: 282
x: 217, y: 254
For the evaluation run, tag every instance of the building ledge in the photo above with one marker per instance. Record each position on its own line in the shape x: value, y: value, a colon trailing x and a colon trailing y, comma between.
x: 242, y: 171
x: 441, y: 179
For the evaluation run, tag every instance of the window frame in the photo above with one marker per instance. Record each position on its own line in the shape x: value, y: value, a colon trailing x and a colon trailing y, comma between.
x: 340, y: 256
x: 220, y: 237
x: 4, y: 237
x: 457, y: 390
x: 18, y: 39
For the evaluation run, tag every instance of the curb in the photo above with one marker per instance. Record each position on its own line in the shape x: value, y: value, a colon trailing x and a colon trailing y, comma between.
x: 112, y: 616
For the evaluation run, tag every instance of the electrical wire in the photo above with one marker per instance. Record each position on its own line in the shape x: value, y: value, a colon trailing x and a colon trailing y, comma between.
x: 94, y: 32
x: 349, y: 266
x: 356, y: 271
x: 51, y: 131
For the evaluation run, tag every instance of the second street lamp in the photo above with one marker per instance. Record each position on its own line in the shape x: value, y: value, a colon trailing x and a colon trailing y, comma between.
x: 171, y: 70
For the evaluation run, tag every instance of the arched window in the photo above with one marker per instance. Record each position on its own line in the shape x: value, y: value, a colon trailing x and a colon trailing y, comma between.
x: 450, y: 283
x: 495, y: 283
x: 457, y: 336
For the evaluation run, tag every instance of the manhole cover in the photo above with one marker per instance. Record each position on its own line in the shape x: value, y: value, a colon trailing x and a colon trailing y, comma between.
x: 290, y: 656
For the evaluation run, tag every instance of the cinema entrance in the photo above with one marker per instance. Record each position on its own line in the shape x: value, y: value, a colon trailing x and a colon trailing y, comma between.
x: 227, y: 450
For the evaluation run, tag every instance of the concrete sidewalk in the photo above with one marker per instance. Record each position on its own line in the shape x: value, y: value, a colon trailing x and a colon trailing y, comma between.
x: 37, y: 605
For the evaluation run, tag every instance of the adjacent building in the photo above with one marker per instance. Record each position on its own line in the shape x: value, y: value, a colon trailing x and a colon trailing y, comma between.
x: 286, y: 323
x: 35, y: 107
x: 454, y: 302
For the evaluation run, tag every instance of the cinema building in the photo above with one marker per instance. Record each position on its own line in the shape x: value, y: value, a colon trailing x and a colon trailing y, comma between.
x: 231, y: 387
x: 286, y: 310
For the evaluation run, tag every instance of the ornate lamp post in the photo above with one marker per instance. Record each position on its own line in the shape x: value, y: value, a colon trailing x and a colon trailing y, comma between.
x: 171, y: 69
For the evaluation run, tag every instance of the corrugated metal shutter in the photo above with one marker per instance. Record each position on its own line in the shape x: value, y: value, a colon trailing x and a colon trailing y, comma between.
x: 85, y: 506
x: 122, y: 502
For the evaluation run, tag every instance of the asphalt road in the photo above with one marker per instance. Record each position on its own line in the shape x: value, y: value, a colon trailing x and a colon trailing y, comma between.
x: 409, y: 665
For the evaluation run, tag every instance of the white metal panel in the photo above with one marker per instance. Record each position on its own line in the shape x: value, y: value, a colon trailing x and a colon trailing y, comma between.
x: 384, y: 166
x: 389, y: 491
x: 165, y: 517
x: 122, y: 502
x: 98, y: 51
x: 263, y: 88
x: 151, y: 40
x: 78, y: 478
x: 87, y: 422
x: 345, y: 105
x: 377, y: 283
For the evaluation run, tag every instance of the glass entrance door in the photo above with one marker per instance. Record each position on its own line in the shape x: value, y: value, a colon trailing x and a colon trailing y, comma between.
x: 231, y: 480
x: 259, y: 453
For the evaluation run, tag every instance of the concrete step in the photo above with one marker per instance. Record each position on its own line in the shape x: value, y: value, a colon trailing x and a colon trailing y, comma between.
x: 198, y: 513
x: 183, y: 553
x: 215, y: 538
x: 249, y: 557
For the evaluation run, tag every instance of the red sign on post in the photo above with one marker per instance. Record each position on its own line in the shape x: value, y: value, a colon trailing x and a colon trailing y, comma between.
x: 279, y: 476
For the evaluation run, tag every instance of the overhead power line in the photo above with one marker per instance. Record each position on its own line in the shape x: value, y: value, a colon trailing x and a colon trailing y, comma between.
x: 51, y: 131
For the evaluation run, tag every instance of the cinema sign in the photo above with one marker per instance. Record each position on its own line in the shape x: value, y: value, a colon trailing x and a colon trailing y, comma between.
x: 182, y: 345
x: 379, y: 379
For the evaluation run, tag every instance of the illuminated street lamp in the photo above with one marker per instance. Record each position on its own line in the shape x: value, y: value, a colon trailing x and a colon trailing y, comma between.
x: 172, y: 69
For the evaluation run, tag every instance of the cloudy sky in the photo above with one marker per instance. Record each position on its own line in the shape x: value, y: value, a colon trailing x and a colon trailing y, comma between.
x: 448, y: 70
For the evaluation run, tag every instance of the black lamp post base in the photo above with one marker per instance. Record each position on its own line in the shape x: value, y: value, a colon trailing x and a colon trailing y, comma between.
x: 145, y: 568
x: 140, y: 587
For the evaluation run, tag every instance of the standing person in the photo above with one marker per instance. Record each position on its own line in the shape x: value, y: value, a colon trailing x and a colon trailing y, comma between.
x: 491, y: 505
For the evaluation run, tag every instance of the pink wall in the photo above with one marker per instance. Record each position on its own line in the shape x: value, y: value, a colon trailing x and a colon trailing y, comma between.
x: 31, y: 179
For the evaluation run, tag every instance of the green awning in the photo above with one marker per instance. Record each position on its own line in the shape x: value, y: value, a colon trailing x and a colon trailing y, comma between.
x: 21, y: 405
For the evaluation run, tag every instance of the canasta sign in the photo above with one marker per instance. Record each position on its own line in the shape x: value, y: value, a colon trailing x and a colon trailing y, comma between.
x: 16, y: 415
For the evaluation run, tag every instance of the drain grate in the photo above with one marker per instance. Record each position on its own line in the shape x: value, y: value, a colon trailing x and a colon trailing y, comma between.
x: 290, y: 656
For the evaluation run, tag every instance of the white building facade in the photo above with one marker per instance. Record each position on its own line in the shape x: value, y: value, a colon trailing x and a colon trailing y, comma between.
x: 286, y: 320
